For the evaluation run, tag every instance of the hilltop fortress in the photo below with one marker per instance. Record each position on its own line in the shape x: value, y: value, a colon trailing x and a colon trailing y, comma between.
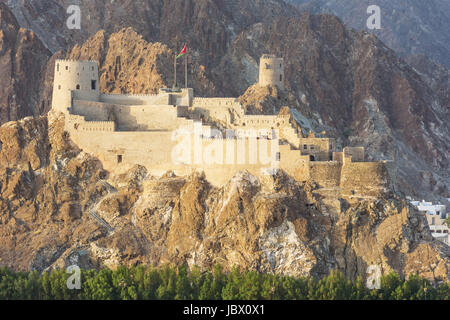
x: 176, y: 131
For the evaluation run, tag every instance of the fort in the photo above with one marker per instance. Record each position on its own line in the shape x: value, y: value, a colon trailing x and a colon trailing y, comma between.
x: 176, y: 131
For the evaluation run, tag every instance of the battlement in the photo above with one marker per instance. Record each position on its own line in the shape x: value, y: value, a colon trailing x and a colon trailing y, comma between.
x: 97, y: 126
x: 214, y: 102
x: 268, y: 56
x: 128, y: 95
x: 75, y: 61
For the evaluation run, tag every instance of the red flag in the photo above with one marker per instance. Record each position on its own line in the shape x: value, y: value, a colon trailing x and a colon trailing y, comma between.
x: 182, y: 53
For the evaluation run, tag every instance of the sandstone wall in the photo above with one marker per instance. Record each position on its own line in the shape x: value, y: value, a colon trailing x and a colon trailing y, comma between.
x: 133, y: 117
x: 326, y: 174
x: 161, y: 151
x: 364, y: 178
x: 221, y: 109
x: 131, y: 99
x: 319, y: 148
x: 92, y: 111
x: 357, y: 153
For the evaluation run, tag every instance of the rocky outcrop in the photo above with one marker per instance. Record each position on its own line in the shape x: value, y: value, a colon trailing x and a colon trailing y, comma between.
x: 58, y: 207
x: 23, y: 60
x: 129, y: 64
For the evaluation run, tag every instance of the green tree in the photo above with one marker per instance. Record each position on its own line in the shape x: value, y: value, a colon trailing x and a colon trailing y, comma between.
x: 183, y: 286
x: 231, y: 289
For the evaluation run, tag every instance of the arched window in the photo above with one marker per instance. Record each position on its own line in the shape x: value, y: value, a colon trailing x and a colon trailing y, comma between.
x: 78, y: 87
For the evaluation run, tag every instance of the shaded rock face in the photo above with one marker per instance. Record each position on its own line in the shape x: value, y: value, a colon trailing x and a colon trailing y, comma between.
x: 23, y: 61
x: 129, y: 64
x: 206, y: 25
x: 413, y: 27
x: 59, y: 208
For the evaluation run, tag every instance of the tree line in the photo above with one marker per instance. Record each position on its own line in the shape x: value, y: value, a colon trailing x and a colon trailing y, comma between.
x: 177, y: 283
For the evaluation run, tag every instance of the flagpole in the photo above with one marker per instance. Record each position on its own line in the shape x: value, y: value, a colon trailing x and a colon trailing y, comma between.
x: 175, y: 68
x: 186, y: 71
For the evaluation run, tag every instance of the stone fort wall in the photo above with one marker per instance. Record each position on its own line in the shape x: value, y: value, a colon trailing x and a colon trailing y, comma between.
x: 365, y: 178
x: 220, y: 159
x: 124, y: 130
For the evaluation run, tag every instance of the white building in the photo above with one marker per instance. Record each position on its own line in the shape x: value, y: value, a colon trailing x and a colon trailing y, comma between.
x: 436, y: 215
x: 439, y: 228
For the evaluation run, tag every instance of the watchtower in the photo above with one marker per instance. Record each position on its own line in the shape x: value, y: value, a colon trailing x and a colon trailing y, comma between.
x: 271, y: 71
x: 74, y: 80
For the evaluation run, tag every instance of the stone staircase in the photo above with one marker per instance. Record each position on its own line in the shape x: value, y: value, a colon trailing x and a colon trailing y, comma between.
x: 101, y: 221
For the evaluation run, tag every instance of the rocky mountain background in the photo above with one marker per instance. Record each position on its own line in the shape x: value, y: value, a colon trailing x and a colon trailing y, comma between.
x: 58, y: 205
x: 410, y: 27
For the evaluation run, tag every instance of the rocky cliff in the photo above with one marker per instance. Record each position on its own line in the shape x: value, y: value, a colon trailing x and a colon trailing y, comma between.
x: 23, y: 60
x: 409, y: 27
x: 59, y: 207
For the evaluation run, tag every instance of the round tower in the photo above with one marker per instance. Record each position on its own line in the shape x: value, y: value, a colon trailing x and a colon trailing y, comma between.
x: 271, y: 71
x: 74, y: 79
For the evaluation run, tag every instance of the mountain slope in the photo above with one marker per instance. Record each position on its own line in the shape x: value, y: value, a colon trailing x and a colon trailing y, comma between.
x: 409, y: 27
x: 23, y: 61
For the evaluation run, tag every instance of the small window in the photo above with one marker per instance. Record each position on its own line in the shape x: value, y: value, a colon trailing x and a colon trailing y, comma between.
x: 281, y: 77
x: 305, y: 147
x: 59, y: 87
x: 94, y: 84
x: 92, y: 68
x: 119, y: 159
x: 57, y: 67
x: 67, y: 67
x: 278, y: 156
x: 78, y: 87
